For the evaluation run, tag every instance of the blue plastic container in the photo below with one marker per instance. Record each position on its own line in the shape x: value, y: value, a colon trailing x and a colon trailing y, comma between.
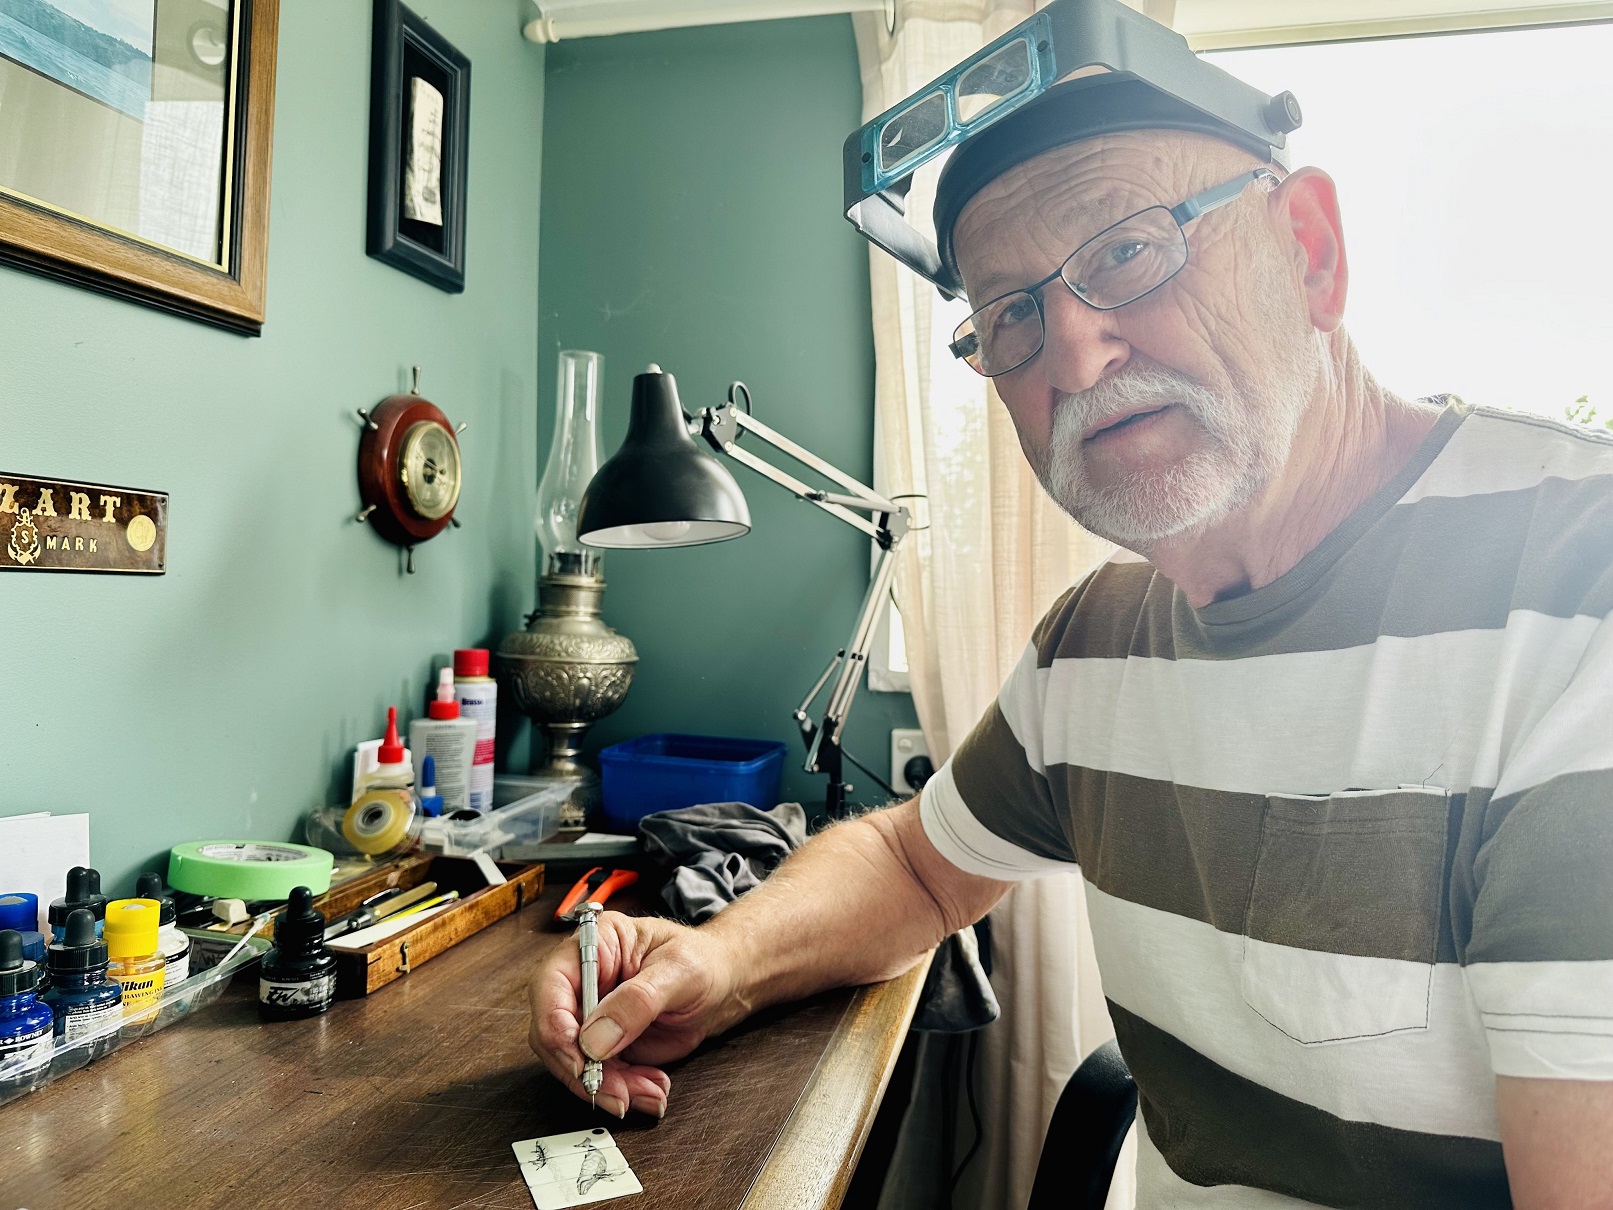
x: 665, y: 772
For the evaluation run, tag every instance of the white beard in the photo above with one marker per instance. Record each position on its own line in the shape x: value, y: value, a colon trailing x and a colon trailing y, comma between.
x: 1244, y: 449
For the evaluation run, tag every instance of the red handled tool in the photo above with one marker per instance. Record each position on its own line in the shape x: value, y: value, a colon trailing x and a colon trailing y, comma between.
x: 596, y: 886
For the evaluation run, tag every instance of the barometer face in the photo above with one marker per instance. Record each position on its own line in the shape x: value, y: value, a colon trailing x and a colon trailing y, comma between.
x: 429, y: 468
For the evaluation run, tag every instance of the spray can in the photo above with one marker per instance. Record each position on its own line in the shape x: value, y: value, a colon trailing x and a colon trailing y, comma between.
x: 478, y: 700
x: 298, y: 976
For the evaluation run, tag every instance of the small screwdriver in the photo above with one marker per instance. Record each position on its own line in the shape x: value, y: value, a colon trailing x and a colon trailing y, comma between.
x: 593, y: 1072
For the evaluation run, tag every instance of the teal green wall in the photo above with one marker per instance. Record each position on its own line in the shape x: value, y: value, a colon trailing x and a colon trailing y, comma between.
x: 691, y: 218
x: 220, y: 699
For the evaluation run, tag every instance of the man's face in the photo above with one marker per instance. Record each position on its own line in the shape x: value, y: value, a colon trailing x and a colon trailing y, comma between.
x: 1165, y: 416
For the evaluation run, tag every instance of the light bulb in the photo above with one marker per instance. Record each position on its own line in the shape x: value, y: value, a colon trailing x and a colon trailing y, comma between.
x: 667, y: 531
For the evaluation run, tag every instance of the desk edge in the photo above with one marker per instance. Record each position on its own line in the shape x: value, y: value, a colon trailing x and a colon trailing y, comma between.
x: 811, y: 1163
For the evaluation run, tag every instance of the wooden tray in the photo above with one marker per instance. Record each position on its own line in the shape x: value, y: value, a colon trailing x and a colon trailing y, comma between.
x: 360, y: 972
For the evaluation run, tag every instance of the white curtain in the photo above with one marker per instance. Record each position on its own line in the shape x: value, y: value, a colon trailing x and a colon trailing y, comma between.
x: 995, y: 555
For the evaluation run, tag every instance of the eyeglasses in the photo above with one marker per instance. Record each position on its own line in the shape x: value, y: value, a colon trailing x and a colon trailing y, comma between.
x: 1119, y: 265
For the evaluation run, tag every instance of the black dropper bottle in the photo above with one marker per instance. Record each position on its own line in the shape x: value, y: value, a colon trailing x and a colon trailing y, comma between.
x: 83, y: 891
x: 86, y: 1003
x: 298, y: 978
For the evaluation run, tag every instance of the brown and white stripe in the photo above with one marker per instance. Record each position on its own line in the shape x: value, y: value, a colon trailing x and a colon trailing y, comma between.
x: 1347, y: 839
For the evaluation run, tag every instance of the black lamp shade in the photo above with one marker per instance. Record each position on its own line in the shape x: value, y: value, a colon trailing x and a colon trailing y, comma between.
x: 660, y: 488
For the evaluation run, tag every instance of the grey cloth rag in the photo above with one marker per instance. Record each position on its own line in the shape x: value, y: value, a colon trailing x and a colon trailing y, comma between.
x: 721, y: 850
x: 957, y: 996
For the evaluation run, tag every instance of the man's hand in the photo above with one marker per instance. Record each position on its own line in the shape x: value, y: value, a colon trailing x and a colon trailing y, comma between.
x: 664, y: 988
x: 862, y: 901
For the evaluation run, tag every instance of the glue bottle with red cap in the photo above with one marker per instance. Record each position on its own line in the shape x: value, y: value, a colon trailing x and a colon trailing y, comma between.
x: 382, y: 764
x: 381, y: 822
x: 450, y: 739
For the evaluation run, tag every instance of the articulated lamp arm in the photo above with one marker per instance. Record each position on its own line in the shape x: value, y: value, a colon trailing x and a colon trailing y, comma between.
x: 887, y: 523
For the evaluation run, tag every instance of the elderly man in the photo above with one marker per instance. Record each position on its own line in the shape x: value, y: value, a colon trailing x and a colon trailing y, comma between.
x: 1332, y: 749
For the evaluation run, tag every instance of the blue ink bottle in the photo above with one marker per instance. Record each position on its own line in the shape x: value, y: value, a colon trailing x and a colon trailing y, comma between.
x: 298, y: 976
x: 20, y: 911
x: 85, y: 1002
x: 83, y: 891
x: 26, y: 1025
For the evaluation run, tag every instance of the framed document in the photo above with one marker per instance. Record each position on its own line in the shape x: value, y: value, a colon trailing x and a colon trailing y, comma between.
x: 134, y: 149
x: 419, y: 135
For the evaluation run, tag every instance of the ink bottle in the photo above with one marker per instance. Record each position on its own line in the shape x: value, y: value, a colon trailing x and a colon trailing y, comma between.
x: 26, y: 1025
x: 298, y: 976
x: 83, y: 891
x: 86, y: 1003
x: 175, y: 946
x: 136, y: 961
x: 20, y: 911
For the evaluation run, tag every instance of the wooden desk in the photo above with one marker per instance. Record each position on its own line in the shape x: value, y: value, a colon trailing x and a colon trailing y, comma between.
x: 411, y: 1098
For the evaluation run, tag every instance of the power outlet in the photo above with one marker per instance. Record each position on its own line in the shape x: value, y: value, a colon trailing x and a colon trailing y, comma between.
x: 907, y: 745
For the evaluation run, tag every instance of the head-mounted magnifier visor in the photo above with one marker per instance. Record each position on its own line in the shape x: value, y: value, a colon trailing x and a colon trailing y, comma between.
x: 1065, y: 40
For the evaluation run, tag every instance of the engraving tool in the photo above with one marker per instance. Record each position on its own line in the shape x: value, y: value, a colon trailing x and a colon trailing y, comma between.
x: 593, y: 1072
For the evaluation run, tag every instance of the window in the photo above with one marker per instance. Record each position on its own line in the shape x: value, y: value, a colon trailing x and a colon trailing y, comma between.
x: 1473, y: 175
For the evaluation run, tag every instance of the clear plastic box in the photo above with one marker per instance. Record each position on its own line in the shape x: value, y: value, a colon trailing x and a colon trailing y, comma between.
x: 526, y: 811
x: 206, y: 983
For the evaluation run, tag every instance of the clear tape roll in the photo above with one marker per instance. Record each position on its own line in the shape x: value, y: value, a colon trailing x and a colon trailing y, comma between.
x: 379, y: 821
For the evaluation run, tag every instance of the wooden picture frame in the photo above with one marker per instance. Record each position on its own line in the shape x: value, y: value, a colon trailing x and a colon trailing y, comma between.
x: 58, y: 243
x: 406, y: 48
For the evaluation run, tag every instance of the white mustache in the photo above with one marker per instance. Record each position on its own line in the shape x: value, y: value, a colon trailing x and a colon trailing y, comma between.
x: 1142, y: 389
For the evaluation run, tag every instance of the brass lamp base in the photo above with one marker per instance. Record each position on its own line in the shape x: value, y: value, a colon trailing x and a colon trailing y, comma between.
x: 566, y: 671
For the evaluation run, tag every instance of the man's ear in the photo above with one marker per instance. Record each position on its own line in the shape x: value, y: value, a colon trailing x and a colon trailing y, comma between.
x: 1306, y: 204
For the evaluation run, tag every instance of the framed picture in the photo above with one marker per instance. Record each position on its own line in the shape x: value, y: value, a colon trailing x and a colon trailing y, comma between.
x: 135, y: 142
x: 419, y: 135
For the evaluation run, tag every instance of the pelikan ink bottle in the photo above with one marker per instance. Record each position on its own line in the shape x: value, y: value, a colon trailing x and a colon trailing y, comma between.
x: 298, y: 976
x: 26, y: 1025
x: 84, y: 1000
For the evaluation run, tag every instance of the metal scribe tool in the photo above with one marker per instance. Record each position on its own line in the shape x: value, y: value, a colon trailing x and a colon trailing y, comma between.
x: 593, y: 1072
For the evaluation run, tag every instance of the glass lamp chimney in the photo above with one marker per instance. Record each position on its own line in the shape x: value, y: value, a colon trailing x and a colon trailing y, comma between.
x: 573, y: 460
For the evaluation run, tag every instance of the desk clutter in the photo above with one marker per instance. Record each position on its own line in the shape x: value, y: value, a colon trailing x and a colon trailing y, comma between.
x: 429, y: 849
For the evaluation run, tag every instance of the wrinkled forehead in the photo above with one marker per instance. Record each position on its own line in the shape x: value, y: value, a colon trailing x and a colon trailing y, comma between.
x: 1042, y: 209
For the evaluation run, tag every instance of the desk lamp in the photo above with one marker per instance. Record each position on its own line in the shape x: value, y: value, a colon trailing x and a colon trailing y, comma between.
x: 664, y: 488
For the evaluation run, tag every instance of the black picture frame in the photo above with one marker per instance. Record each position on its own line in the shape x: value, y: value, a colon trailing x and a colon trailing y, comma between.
x: 406, y: 46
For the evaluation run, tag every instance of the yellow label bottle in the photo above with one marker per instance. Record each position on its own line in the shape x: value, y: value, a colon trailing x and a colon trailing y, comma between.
x: 136, y: 960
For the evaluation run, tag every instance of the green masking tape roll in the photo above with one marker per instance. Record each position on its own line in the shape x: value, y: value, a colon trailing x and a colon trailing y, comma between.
x: 248, y: 869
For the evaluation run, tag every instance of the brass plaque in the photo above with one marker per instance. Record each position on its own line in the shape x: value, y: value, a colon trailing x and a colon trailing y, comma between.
x: 56, y: 525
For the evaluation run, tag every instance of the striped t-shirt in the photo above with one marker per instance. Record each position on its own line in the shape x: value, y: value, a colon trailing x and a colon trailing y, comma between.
x: 1347, y: 839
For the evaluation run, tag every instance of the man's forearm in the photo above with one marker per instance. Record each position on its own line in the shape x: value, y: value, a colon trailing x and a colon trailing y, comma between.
x: 860, y: 902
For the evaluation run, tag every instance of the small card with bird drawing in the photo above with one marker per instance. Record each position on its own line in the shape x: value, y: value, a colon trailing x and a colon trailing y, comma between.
x: 574, y: 1169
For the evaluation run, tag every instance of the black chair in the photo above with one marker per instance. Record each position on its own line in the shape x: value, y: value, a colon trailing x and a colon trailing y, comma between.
x: 1084, y: 1138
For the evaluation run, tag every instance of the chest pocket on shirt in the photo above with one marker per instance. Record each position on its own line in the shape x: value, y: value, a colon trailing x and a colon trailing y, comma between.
x: 1342, y: 925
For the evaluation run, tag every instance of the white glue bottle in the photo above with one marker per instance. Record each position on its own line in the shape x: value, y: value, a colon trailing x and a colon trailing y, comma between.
x: 450, y: 740
x: 382, y: 764
x: 477, y: 694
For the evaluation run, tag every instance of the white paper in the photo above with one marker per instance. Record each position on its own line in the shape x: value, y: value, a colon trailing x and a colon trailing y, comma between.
x: 383, y: 930
x: 575, y: 1169
x: 37, y: 850
x: 422, y: 169
x: 599, y: 838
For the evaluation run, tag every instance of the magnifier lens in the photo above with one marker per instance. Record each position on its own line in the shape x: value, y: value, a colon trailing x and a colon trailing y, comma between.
x: 993, y: 80
x: 913, y: 131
